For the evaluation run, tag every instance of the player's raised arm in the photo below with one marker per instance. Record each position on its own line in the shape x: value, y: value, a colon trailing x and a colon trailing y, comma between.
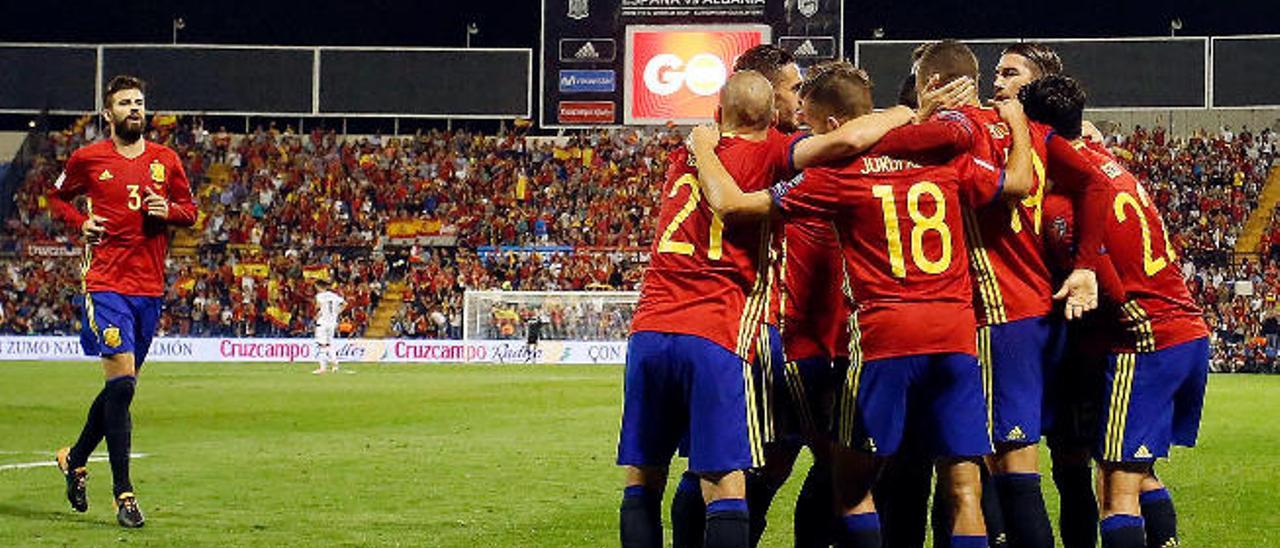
x: 853, y: 137
x: 1018, y: 171
x: 722, y: 192
x: 1059, y: 101
x: 860, y: 133
x: 934, y: 141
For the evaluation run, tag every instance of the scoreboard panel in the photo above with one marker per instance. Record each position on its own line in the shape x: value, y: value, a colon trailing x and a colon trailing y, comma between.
x: 651, y: 62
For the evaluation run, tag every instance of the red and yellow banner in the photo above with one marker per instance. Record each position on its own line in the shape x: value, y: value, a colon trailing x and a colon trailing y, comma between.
x: 256, y: 270
x: 315, y: 272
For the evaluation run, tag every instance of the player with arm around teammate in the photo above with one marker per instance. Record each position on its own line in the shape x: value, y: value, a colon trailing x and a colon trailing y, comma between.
x: 923, y: 332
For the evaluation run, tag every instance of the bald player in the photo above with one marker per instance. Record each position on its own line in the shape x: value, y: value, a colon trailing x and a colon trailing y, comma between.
x: 705, y: 325
x: 813, y: 316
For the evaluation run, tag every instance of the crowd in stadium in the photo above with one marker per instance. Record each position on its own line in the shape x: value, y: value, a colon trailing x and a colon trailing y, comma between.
x: 295, y: 205
x: 1205, y: 184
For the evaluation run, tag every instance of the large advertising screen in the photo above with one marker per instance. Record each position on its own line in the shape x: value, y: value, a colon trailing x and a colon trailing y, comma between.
x: 674, y: 73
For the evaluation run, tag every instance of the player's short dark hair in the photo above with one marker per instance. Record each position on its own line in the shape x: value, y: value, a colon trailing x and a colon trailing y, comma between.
x: 1042, y: 57
x: 1057, y: 100
x: 323, y: 283
x: 838, y: 87
x: 767, y: 59
x: 949, y: 59
x: 122, y: 82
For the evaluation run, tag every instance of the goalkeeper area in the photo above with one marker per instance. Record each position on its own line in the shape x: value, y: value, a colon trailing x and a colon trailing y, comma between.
x: 568, y: 315
x: 240, y: 454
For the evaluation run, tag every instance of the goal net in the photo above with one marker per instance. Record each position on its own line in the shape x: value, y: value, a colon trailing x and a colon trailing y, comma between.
x: 565, y: 315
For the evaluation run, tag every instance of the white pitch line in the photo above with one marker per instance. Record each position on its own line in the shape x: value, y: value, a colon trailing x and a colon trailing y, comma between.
x: 21, y: 465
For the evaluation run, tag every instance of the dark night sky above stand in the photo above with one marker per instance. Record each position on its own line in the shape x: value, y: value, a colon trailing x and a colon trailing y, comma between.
x: 514, y: 23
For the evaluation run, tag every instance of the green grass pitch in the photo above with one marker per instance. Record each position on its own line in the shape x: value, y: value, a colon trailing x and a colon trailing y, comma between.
x: 269, y: 455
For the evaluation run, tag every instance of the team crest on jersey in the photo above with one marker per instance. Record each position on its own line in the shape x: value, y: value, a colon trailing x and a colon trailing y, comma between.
x: 1060, y: 227
x: 111, y: 336
x: 106, y: 175
x: 578, y: 9
x: 807, y: 8
x: 157, y: 172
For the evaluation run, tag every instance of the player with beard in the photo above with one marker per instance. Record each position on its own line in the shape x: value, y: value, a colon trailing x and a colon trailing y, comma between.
x: 1156, y: 369
x: 1070, y: 403
x: 1014, y: 295
x: 135, y: 190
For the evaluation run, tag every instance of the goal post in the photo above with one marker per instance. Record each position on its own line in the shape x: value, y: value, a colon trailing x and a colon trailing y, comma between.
x: 567, y: 315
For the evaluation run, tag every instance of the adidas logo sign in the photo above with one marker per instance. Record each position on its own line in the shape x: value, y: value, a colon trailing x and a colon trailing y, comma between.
x: 806, y: 49
x: 587, y: 51
x: 105, y: 176
x: 1016, y: 434
x: 1142, y: 452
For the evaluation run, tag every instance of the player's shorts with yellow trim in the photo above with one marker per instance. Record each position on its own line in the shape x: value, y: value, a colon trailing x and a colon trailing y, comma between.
x: 1021, y: 354
x: 1153, y: 400
x: 118, y: 324
x: 931, y: 403
x: 686, y: 390
x: 803, y: 397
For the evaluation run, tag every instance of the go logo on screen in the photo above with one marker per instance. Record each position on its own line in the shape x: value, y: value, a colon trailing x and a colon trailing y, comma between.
x: 675, y: 73
x: 704, y: 74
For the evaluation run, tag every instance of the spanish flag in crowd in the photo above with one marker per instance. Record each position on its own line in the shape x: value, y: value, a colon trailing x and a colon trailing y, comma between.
x: 315, y: 272
x: 522, y: 187
x: 279, y: 316
x: 257, y: 270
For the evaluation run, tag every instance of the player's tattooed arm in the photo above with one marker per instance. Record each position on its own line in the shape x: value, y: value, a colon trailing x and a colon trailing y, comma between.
x: 1018, y: 170
x: 722, y: 192
x: 851, y: 138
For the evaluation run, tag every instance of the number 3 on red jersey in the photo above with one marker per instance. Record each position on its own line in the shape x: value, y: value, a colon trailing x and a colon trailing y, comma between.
x: 668, y: 244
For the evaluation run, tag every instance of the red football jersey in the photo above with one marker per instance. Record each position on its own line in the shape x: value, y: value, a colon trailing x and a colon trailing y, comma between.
x: 813, y: 312
x: 1011, y: 279
x: 706, y: 278
x: 1059, y: 236
x: 1156, y: 307
x: 129, y: 259
x: 902, y: 238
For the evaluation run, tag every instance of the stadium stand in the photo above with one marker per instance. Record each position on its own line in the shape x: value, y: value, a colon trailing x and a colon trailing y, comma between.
x: 380, y: 215
x: 407, y: 224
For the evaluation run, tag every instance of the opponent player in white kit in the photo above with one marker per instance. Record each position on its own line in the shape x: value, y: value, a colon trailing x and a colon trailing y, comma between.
x: 328, y: 306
